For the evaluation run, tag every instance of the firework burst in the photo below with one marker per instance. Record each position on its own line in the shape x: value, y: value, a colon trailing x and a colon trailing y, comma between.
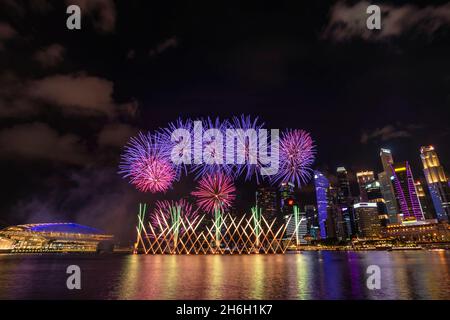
x: 245, y: 127
x: 215, y: 192
x: 297, y: 153
x: 212, y: 148
x: 146, y: 163
x: 177, y: 148
x: 170, y: 213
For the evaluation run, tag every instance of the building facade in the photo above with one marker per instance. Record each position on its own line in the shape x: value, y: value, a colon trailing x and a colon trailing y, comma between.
x: 387, y: 188
x: 364, y: 178
x: 321, y: 185
x: 437, y: 181
x: 425, y: 200
x: 405, y: 192
x: 53, y: 237
x: 367, y: 216
x: 267, y: 201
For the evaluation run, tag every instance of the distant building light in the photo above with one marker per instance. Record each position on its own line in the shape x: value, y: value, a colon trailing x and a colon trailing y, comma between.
x: 365, y: 205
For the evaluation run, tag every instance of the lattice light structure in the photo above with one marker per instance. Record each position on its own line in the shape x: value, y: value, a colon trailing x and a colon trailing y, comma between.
x: 227, y: 235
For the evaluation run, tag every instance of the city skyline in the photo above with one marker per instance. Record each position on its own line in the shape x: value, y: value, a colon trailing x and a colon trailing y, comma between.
x: 69, y: 100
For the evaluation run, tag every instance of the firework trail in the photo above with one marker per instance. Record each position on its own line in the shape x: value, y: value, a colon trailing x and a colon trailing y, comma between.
x: 215, y: 192
x: 297, y: 153
x: 145, y: 162
x: 170, y: 213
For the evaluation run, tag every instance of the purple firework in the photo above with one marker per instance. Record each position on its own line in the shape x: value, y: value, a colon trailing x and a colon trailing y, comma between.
x: 178, y: 147
x: 297, y: 153
x: 146, y: 164
x: 210, y: 138
x: 170, y: 214
x: 248, y: 143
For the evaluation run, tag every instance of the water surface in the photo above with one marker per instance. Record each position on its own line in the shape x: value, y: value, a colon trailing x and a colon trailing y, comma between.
x: 309, y: 275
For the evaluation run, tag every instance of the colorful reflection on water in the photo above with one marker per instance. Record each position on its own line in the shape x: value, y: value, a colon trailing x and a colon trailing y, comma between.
x: 307, y: 275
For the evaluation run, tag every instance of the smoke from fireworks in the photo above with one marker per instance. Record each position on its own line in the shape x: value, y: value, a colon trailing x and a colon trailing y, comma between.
x: 215, y: 192
x: 146, y: 164
x: 170, y: 213
x: 297, y: 152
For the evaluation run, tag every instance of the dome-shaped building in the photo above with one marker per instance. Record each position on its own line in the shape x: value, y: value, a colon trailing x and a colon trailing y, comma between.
x: 54, y: 237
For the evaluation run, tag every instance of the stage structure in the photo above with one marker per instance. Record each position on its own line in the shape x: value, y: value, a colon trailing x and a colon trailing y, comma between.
x: 224, y: 234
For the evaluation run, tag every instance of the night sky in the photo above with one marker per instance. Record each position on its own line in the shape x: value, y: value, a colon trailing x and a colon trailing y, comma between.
x: 70, y: 99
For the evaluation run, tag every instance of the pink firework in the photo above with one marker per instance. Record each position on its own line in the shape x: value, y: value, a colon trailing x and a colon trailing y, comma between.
x: 297, y: 152
x: 170, y: 214
x: 147, y: 165
x: 215, y: 192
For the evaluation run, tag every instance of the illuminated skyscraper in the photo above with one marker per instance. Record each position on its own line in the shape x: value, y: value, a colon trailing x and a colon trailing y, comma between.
x: 374, y: 195
x: 287, y: 197
x: 368, y: 219
x: 405, y: 192
x: 345, y: 202
x: 321, y: 184
x: 364, y: 178
x: 266, y: 199
x: 437, y: 182
x: 312, y: 218
x: 425, y: 200
x: 387, y: 188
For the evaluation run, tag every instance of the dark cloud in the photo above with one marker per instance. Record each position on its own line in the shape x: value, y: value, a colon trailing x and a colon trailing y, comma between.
x: 50, y: 56
x: 349, y: 21
x: 39, y: 141
x: 7, y: 32
x: 390, y: 132
x: 163, y: 46
x: 116, y: 134
x: 73, y: 94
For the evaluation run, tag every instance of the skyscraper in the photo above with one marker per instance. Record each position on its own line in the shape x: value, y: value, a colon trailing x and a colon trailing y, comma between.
x: 364, y: 178
x: 345, y: 202
x: 336, y: 225
x: 437, y: 181
x: 387, y: 188
x: 405, y: 192
x: 368, y: 219
x: 321, y: 185
x: 425, y: 200
x: 287, y: 198
x: 266, y: 199
x: 312, y: 219
x: 374, y: 195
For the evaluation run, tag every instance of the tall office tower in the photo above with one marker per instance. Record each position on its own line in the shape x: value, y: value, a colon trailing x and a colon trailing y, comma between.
x: 374, y: 195
x: 336, y: 224
x: 321, y: 185
x: 287, y: 198
x: 387, y: 188
x: 425, y: 200
x: 437, y: 181
x: 405, y: 192
x: 368, y: 219
x: 312, y: 219
x: 302, y: 228
x: 373, y: 191
x: 345, y: 202
x: 344, y: 193
x: 266, y: 199
x: 364, y: 178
